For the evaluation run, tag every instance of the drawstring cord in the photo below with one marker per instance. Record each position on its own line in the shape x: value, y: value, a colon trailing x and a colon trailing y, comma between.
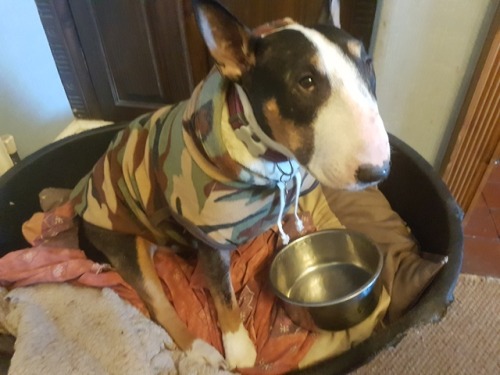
x: 284, y: 237
x: 299, y: 225
x: 241, y: 114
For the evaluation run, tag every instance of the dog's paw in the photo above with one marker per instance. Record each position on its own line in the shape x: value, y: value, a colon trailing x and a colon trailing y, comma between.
x: 203, y: 352
x: 240, y: 350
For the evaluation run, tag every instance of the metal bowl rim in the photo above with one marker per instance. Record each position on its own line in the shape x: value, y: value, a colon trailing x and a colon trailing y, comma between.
x: 368, y: 284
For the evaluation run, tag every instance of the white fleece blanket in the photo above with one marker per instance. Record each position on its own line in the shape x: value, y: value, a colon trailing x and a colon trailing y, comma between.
x: 65, y: 329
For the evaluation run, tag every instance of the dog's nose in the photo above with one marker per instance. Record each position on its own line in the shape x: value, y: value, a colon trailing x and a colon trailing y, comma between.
x: 368, y: 173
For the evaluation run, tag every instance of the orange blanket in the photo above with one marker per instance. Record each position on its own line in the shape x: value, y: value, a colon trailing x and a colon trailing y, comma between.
x: 54, y: 258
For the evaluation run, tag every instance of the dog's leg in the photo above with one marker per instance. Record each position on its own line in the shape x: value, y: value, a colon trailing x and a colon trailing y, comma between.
x: 132, y: 257
x: 239, y: 349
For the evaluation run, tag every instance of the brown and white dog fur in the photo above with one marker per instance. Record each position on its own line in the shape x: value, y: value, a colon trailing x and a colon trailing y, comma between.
x: 312, y: 91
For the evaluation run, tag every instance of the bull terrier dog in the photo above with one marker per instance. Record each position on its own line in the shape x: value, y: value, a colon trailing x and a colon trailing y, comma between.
x: 285, y: 107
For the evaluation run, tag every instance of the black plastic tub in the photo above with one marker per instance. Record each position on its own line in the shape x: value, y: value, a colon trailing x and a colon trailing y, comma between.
x: 413, y: 188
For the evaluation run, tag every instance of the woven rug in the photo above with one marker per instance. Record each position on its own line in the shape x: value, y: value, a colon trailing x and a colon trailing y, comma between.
x: 466, y: 341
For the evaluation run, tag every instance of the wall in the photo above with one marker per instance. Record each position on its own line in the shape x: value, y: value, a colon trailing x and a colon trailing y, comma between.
x: 424, y: 55
x: 33, y: 105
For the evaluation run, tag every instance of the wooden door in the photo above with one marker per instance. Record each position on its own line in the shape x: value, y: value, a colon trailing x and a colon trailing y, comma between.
x: 120, y: 58
x: 136, y: 52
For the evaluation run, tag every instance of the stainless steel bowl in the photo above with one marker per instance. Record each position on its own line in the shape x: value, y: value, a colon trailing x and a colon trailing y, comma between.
x: 328, y: 280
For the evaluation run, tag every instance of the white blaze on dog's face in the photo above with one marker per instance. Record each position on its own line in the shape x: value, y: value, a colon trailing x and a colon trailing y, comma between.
x: 313, y: 91
x: 349, y: 133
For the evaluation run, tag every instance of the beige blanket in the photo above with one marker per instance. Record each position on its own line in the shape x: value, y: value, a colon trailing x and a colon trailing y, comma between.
x: 64, y: 329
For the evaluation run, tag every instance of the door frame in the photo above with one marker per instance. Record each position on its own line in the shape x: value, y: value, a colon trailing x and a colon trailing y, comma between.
x: 474, y: 148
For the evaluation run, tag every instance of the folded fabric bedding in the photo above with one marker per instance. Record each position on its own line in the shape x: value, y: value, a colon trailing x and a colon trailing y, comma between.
x: 281, y: 345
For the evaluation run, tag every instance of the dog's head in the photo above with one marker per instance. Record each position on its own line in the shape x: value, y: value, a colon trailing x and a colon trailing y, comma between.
x: 312, y: 90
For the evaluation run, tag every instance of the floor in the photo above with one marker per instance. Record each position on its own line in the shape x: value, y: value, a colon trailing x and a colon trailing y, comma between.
x: 482, y: 231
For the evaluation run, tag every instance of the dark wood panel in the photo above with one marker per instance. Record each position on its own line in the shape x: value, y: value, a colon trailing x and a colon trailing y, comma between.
x: 166, y: 22
x: 134, y: 52
x: 255, y: 13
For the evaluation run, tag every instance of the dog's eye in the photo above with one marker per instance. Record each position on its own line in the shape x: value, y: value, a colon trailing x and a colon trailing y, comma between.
x: 307, y: 82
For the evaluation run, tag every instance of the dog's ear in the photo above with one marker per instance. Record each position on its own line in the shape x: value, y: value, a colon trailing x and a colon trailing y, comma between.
x: 228, y: 40
x: 335, y: 12
x: 330, y: 13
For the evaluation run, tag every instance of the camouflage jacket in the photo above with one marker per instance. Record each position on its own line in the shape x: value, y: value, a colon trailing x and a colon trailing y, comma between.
x: 196, y: 166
